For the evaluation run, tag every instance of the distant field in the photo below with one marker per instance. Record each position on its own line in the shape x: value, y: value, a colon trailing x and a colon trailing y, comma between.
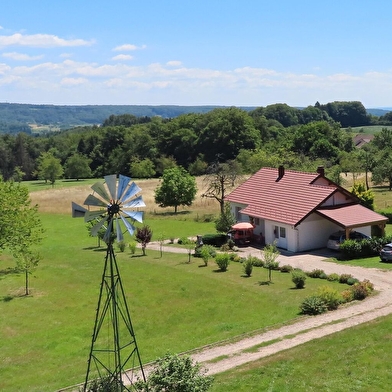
x: 368, y: 130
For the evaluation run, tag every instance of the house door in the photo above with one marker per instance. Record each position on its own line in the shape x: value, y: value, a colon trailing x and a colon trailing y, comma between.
x: 280, y: 237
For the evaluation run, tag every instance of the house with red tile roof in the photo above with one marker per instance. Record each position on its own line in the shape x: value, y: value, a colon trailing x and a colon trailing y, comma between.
x: 299, y: 210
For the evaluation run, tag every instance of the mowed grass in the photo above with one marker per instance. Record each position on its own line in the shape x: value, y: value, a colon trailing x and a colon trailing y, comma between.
x: 175, y: 306
x: 357, y: 359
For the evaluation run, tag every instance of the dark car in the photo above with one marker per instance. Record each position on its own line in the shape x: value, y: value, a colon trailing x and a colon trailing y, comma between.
x: 338, y: 237
x: 386, y: 252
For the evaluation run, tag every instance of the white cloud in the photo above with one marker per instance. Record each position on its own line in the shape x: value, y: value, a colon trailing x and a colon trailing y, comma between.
x: 41, y: 41
x: 73, y: 81
x: 122, y: 57
x: 21, y: 56
x: 127, y: 48
x: 174, y: 63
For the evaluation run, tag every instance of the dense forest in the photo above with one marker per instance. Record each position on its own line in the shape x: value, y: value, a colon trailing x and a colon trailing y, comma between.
x: 145, y: 146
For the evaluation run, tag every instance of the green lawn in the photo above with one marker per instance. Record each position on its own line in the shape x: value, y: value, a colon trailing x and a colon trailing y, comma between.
x: 357, y: 359
x: 175, y: 306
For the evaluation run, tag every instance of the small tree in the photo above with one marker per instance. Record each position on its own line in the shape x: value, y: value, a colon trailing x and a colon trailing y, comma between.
x: 178, y: 188
x: 366, y: 196
x: 225, y: 220
x: 77, y: 166
x: 176, y: 374
x: 49, y: 167
x: 269, y: 255
x: 143, y: 235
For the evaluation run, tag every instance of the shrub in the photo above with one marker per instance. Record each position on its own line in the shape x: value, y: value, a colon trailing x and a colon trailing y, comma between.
x: 298, y: 277
x: 225, y: 248
x: 235, y: 258
x: 223, y: 261
x: 286, y: 268
x: 351, y: 281
x: 214, y: 239
x: 313, y: 305
x: 323, y: 276
x: 350, y: 249
x: 315, y: 273
x: 333, y: 277
x: 248, y: 266
x: 344, y: 278
x: 185, y: 241
x: 211, y: 251
x: 347, y: 295
x: 132, y: 247
x: 121, y: 245
x: 257, y: 262
x: 330, y: 296
x: 362, y: 289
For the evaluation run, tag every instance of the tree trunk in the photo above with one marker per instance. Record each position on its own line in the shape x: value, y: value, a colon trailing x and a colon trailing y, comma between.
x: 26, y: 282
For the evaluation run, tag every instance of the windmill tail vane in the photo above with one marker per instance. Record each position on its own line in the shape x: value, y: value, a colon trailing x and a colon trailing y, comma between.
x: 112, y: 207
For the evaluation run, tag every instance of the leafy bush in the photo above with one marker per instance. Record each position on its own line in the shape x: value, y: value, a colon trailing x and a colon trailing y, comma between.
x: 132, y: 247
x: 313, y: 305
x: 273, y: 265
x: 298, y: 277
x: 105, y: 384
x: 257, y: 262
x: 351, y: 281
x: 211, y: 251
x: 362, y: 289
x: 223, y: 261
x: 214, y: 239
x: 174, y: 373
x: 121, y: 245
x: 185, y: 241
x: 330, y: 296
x: 248, y: 266
x: 333, y: 277
x: 350, y: 249
x: 235, y: 258
x: 315, y: 273
x: 323, y: 276
x: 347, y: 295
x: 344, y: 278
x: 286, y: 268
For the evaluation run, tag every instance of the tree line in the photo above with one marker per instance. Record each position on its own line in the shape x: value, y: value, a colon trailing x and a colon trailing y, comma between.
x: 143, y: 147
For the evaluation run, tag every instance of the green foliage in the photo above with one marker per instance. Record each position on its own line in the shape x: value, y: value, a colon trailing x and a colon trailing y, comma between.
x: 350, y: 249
x: 333, y: 277
x: 366, y: 196
x: 185, y: 241
x: 132, y: 247
x: 248, y: 266
x: 330, y: 296
x: 223, y: 261
x: 352, y: 281
x: 269, y: 255
x: 105, y: 384
x: 142, y: 168
x: 298, y: 277
x: 224, y: 222
x: 121, y: 245
x: 360, y: 291
x: 143, y: 235
x: 315, y: 273
x: 49, y: 167
x: 313, y: 305
x: 77, y: 166
x: 178, y: 188
x: 343, y: 278
x: 205, y: 252
x: 176, y: 373
x: 286, y: 268
x: 214, y: 239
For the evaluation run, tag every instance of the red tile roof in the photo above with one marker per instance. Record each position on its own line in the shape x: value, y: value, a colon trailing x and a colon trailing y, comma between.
x: 288, y: 199
x: 353, y: 216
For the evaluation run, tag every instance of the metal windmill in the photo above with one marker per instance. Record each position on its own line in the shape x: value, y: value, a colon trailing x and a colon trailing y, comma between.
x: 113, y: 347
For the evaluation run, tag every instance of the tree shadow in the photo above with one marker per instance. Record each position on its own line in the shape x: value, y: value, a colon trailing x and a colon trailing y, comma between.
x: 245, y: 276
x: 218, y: 271
x: 172, y: 213
x: 265, y: 282
x: 9, y: 271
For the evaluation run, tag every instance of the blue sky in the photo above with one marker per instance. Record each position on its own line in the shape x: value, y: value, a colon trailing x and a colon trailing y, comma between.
x: 182, y: 52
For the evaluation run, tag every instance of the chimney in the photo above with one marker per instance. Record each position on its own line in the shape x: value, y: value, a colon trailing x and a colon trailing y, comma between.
x: 280, y: 172
x: 320, y: 170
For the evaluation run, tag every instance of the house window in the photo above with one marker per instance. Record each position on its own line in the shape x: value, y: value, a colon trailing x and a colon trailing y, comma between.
x: 282, y: 232
x: 257, y: 221
x: 237, y: 213
x: 276, y: 231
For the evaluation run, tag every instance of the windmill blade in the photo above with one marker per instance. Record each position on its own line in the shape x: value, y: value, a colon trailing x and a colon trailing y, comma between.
x: 119, y: 233
x: 91, y: 215
x: 98, y: 226
x: 99, y: 187
x: 123, y: 182
x: 131, y: 191
x: 92, y: 200
x: 134, y: 203
x: 111, y: 184
x: 78, y: 211
x: 135, y: 215
x: 108, y: 232
x: 128, y: 225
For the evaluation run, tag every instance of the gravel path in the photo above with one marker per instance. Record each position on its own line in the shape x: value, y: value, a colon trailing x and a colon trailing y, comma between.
x: 221, y: 357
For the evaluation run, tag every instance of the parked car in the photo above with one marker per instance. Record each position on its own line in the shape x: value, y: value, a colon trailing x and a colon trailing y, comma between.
x: 335, y: 239
x: 386, y: 252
